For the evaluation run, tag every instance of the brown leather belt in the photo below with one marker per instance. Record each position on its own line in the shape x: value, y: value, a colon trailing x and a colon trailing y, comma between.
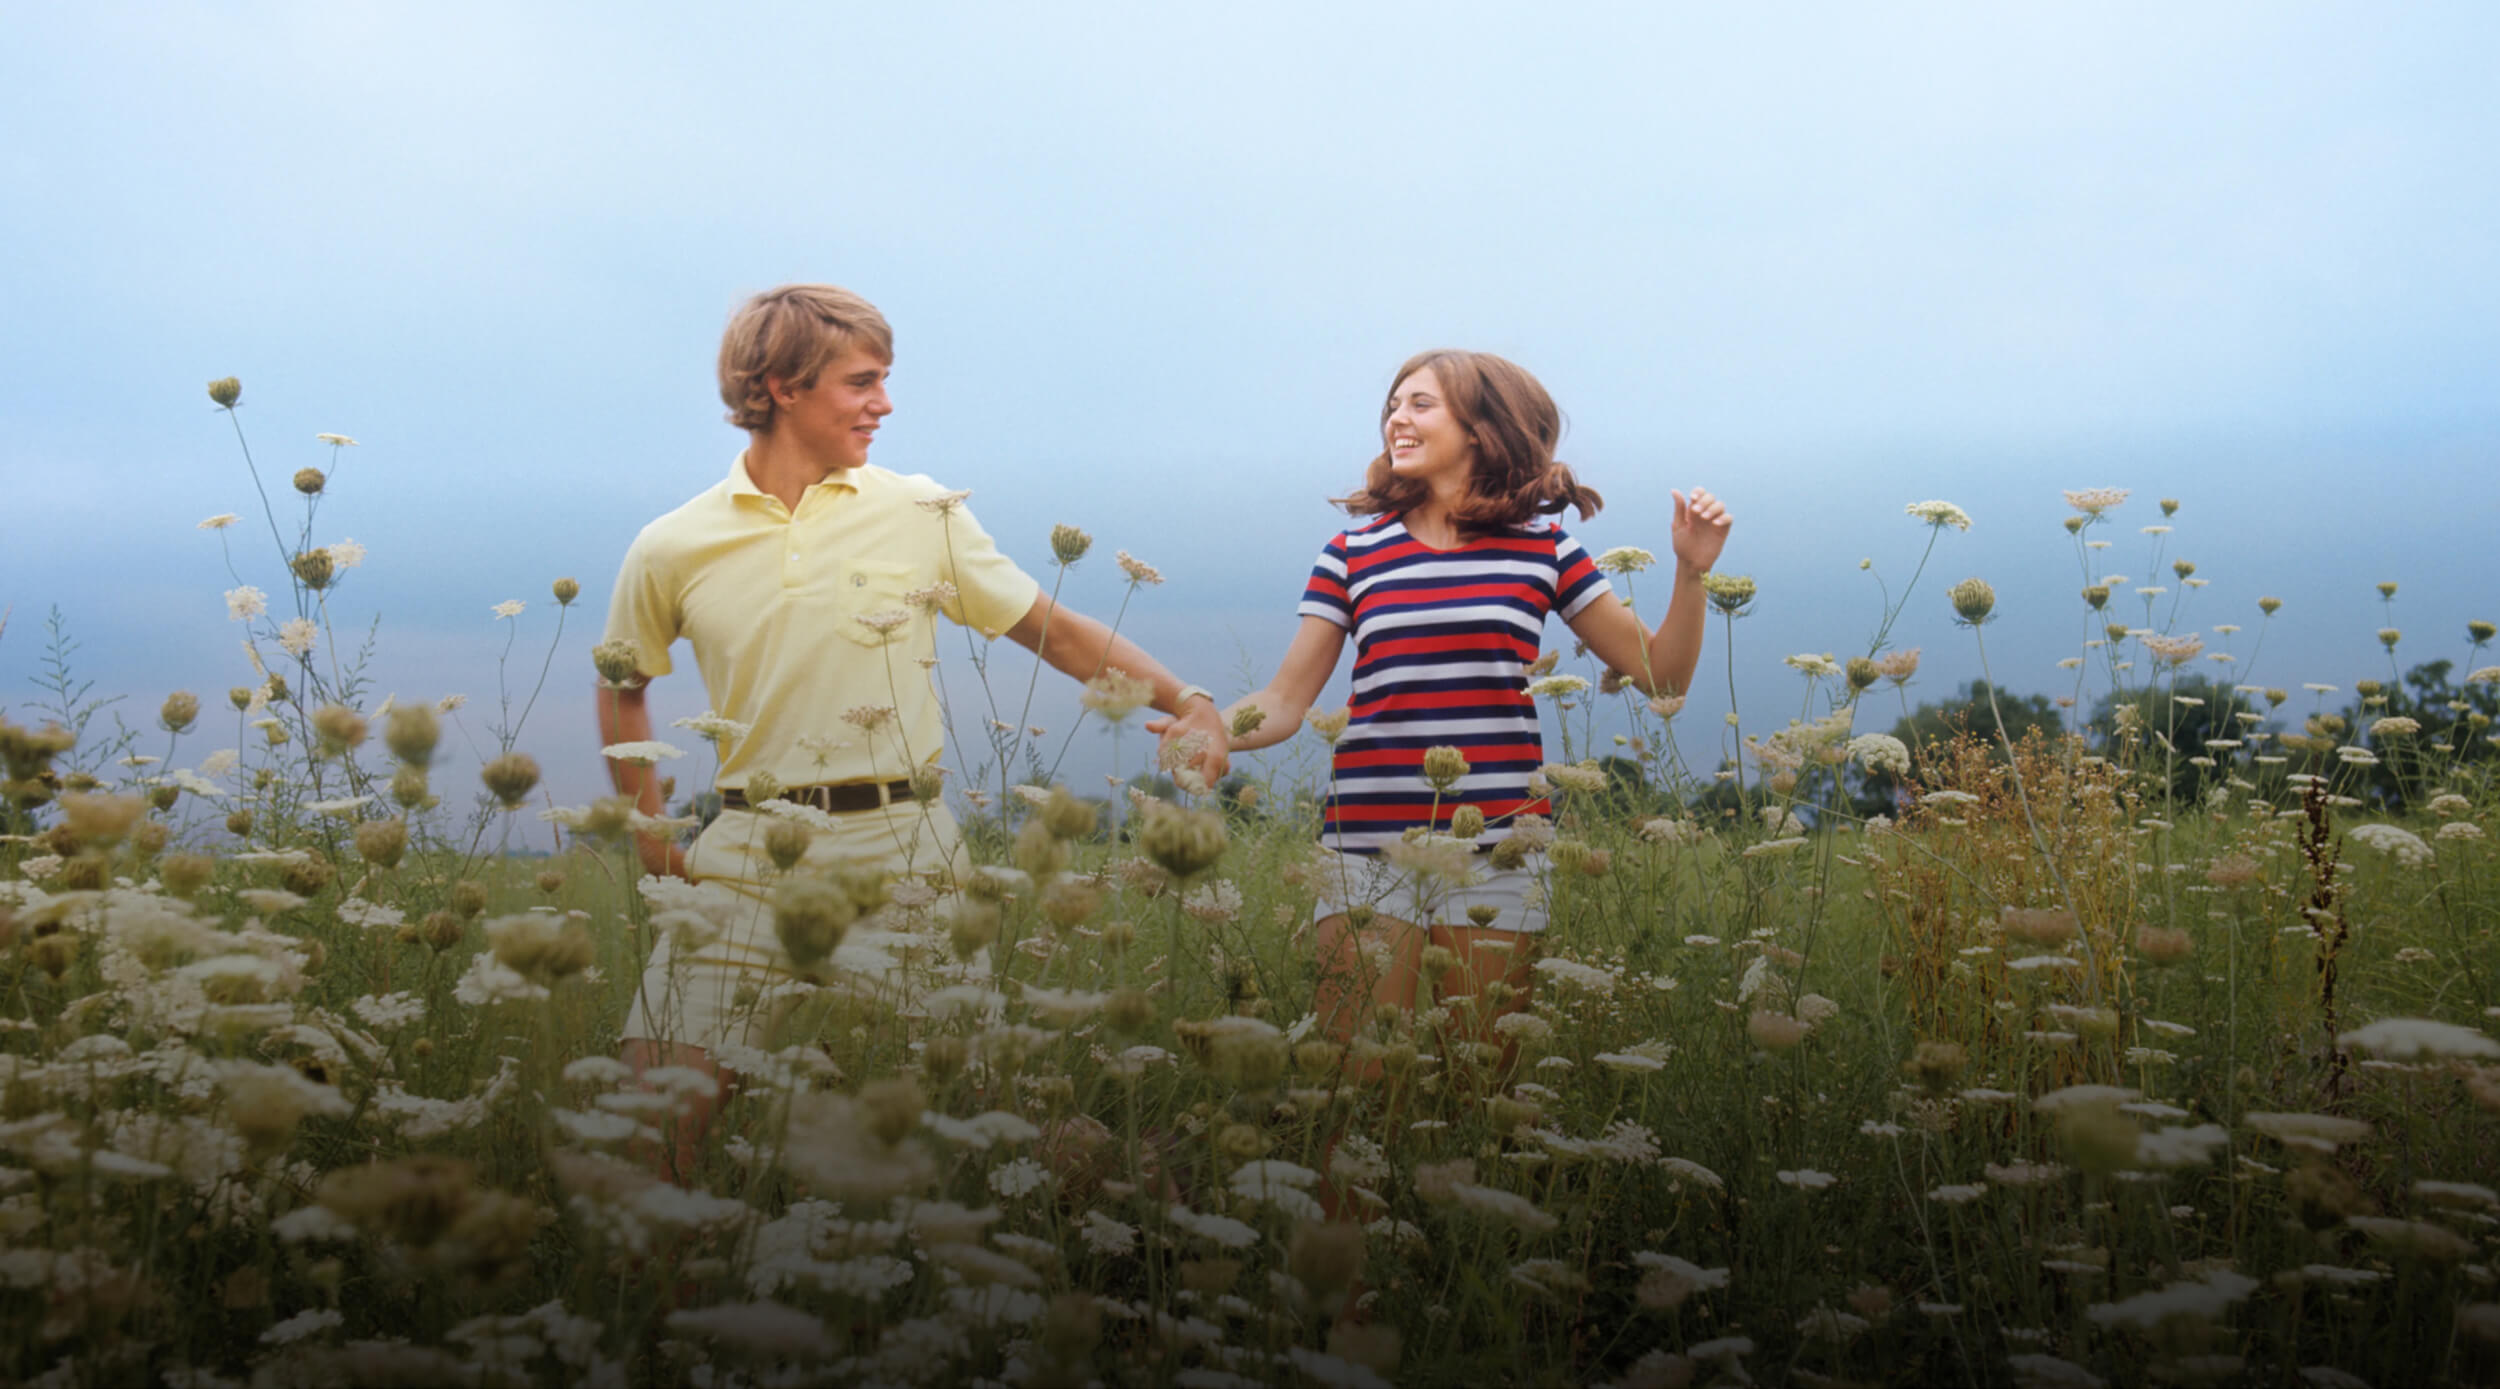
x: 845, y: 798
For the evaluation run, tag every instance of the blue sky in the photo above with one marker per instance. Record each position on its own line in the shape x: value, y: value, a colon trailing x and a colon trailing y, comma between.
x: 1149, y: 268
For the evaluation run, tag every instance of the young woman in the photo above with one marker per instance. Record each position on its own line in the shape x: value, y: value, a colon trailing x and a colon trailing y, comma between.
x: 1446, y: 593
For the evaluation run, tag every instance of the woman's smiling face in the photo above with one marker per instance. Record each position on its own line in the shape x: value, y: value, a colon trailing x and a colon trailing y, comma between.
x: 1425, y: 441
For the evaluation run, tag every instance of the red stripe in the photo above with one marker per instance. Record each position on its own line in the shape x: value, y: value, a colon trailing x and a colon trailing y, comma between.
x: 1412, y: 813
x: 1428, y: 644
x: 1451, y: 593
x: 1414, y: 757
x: 1490, y: 701
x: 1411, y: 549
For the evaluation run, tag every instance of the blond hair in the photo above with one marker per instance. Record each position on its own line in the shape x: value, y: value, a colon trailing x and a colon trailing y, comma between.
x: 792, y: 333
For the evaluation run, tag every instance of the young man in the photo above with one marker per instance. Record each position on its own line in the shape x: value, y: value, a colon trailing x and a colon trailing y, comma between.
x: 807, y: 583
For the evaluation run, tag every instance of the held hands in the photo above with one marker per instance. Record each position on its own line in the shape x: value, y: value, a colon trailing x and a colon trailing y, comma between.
x: 1195, y: 747
x: 1701, y: 526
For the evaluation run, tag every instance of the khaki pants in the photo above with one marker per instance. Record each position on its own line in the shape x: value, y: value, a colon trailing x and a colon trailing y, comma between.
x: 694, y: 1000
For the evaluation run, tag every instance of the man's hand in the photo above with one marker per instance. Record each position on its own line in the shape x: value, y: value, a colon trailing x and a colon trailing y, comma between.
x: 1701, y: 526
x: 1194, y: 741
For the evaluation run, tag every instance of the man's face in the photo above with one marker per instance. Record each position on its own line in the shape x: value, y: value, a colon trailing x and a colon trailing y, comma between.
x: 836, y: 419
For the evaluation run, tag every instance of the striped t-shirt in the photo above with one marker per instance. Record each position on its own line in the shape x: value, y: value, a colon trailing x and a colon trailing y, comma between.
x: 1442, y: 643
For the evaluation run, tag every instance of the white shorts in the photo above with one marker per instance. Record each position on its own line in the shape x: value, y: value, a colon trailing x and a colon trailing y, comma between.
x: 1516, y: 895
x: 695, y: 1000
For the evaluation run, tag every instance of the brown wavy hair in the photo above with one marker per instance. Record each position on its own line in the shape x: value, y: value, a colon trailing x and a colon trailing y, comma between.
x: 1512, y: 425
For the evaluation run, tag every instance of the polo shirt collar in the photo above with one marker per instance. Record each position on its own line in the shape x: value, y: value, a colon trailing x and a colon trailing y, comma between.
x: 742, y: 485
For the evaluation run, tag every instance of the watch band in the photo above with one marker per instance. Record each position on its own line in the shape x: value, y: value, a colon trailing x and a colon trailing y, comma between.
x: 1190, y: 692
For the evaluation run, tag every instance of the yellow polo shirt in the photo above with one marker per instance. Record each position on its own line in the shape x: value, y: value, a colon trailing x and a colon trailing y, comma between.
x: 772, y: 603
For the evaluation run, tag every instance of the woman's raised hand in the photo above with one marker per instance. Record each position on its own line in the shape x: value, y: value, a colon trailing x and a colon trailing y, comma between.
x: 1701, y: 526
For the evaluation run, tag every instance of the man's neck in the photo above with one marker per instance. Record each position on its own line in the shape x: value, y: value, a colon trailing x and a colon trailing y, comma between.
x: 780, y: 467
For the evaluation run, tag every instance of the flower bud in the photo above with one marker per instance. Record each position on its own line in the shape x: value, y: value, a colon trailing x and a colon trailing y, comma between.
x: 2182, y: 568
x: 1973, y: 600
x: 1183, y: 843
x: 1861, y: 673
x: 617, y: 662
x: 409, y: 790
x: 944, y: 1057
x: 185, y: 874
x: 892, y: 1108
x: 1070, y: 902
x: 785, y: 843
x: 468, y: 897
x: 313, y: 568
x: 2387, y: 590
x: 1936, y: 1065
x: 1444, y: 767
x: 566, y: 590
x: 310, y: 481
x: 810, y: 916
x: 2101, y: 1137
x: 1066, y: 816
x: 276, y: 688
x: 2169, y: 506
x: 1467, y: 821
x: 2163, y: 945
x: 1129, y: 1011
x: 382, y: 842
x: 339, y: 728
x: 1039, y: 852
x: 307, y: 877
x: 2389, y: 636
x: 1068, y: 544
x: 1729, y: 593
x: 2096, y: 596
x: 1246, y: 720
x: 971, y: 924
x: 2074, y: 526
x: 239, y: 823
x: 225, y: 390
x: 181, y: 710
x: 511, y: 778
x: 411, y: 732
x: 101, y: 819
x: 441, y: 930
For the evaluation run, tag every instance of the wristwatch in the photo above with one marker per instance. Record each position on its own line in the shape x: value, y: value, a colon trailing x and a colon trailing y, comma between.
x: 1190, y: 692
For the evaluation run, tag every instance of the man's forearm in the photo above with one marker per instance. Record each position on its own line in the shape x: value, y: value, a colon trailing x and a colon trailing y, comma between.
x: 1082, y: 648
x: 625, y: 717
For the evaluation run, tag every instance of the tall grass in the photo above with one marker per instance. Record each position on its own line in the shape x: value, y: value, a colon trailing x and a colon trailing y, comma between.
x: 2046, y: 1074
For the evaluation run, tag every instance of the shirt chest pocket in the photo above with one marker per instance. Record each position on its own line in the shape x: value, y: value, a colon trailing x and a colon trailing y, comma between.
x: 869, y: 602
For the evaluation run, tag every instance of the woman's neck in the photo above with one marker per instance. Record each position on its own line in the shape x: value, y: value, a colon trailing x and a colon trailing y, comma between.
x: 1432, y: 519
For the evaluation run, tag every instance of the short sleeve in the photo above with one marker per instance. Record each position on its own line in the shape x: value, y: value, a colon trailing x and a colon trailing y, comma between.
x: 644, y: 608
x: 992, y: 593
x: 1577, y: 582
x: 1325, y: 595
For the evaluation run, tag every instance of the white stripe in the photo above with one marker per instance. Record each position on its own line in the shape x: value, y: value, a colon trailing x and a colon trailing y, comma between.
x: 1442, y: 615
x: 1507, y: 674
x: 1473, y: 781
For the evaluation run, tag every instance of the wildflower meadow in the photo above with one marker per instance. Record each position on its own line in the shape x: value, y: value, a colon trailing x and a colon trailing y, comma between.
x: 2149, y: 1040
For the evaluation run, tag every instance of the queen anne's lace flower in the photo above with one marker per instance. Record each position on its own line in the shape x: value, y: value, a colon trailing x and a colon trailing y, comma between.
x: 1940, y: 514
